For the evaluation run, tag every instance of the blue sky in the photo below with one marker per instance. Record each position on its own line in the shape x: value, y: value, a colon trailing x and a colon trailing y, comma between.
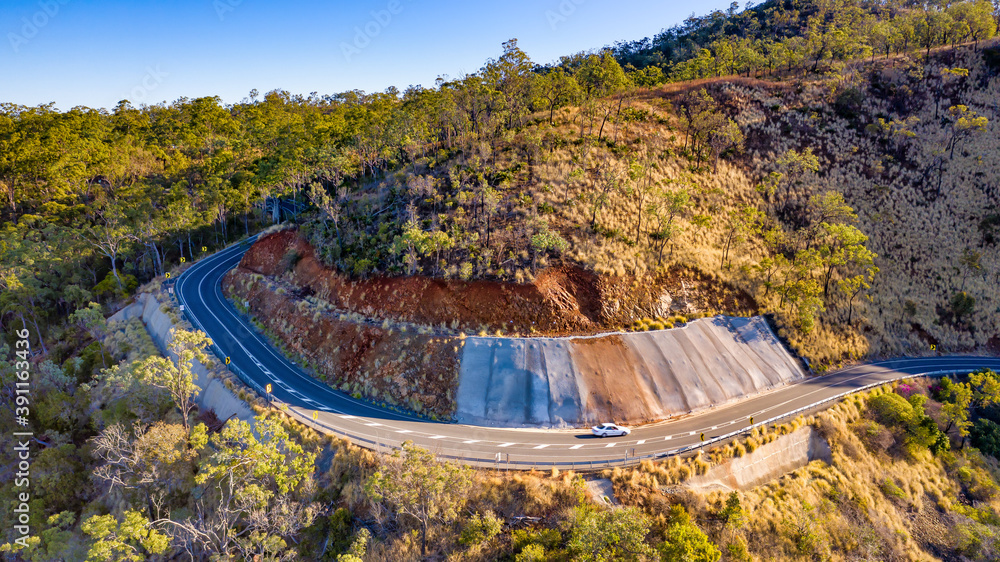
x: 95, y: 53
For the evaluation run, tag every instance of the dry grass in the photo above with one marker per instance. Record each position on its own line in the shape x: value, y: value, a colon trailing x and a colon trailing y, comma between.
x: 872, y: 505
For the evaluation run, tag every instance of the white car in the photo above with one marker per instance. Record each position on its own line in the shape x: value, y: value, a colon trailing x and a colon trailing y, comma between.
x: 610, y: 430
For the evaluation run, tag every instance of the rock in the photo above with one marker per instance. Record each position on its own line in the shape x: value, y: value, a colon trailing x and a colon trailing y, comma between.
x: 662, y: 306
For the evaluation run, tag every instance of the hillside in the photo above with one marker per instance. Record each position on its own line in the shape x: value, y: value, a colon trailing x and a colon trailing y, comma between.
x: 842, y: 209
x: 828, y: 168
x: 425, y: 344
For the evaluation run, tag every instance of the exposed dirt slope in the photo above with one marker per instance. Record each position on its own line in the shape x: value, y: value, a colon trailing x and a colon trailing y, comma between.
x: 400, y: 341
x: 560, y: 300
x: 396, y: 365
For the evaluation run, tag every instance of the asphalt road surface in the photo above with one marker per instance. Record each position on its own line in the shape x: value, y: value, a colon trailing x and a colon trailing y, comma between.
x: 199, y: 291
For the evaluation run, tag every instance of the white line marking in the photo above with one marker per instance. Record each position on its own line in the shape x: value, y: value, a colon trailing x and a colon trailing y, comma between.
x: 506, y: 445
x: 609, y: 445
x: 692, y: 433
x: 437, y: 437
x: 471, y: 441
x: 576, y: 446
x: 373, y: 424
x: 715, y: 427
x: 347, y: 417
x: 540, y: 447
x: 667, y: 437
x: 640, y: 442
x: 404, y: 431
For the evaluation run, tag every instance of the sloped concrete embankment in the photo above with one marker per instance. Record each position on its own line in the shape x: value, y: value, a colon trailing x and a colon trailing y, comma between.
x: 767, y: 462
x: 214, y: 395
x: 630, y: 377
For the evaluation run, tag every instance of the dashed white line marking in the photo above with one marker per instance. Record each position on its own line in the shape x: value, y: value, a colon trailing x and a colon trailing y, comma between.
x: 692, y: 433
x: 373, y: 424
x: 506, y: 445
x: 609, y: 445
x: 540, y: 447
x: 640, y: 442
x: 437, y: 437
x: 576, y: 446
x: 471, y: 441
x: 667, y: 437
x: 715, y: 427
x: 404, y: 431
x: 347, y: 417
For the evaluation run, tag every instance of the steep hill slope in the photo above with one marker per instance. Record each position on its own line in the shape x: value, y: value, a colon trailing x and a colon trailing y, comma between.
x: 860, y: 208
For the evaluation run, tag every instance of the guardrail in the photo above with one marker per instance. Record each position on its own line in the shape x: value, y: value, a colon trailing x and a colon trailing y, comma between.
x: 503, y: 460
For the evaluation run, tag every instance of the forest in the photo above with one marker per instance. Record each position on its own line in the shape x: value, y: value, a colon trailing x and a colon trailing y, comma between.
x: 832, y: 162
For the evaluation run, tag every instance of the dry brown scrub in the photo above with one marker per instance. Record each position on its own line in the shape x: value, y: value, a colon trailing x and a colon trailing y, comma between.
x: 918, y: 231
x: 873, y: 502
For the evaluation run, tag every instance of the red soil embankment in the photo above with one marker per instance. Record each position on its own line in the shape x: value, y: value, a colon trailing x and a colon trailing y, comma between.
x: 394, y: 365
x: 559, y: 300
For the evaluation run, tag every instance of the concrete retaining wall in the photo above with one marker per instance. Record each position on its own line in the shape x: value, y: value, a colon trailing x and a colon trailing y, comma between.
x: 779, y: 457
x: 629, y: 378
x: 214, y: 395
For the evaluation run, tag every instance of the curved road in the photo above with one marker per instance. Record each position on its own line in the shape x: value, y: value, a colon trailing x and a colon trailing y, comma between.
x: 200, y: 292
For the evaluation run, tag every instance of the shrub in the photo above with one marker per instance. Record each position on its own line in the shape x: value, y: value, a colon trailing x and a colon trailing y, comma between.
x: 891, y: 409
x: 890, y: 489
x: 738, y: 550
x: 521, y: 539
x: 481, y: 528
x: 985, y: 436
x: 531, y: 553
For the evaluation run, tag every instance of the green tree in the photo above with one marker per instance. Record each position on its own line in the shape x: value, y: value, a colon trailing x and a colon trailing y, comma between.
x: 728, y: 136
x: 56, y: 541
x: 412, y: 483
x: 956, y: 399
x: 732, y: 514
x: 177, y: 376
x: 609, y: 535
x: 970, y: 262
x: 985, y: 436
x: 985, y: 386
x: 92, y: 320
x: 684, y: 541
x: 663, y: 210
x: 853, y: 286
x: 130, y: 539
x: 604, y: 83
x: 977, y: 19
x: 964, y: 124
x: 962, y: 305
x: 257, y: 493
x: 150, y: 462
x: 555, y: 89
x: 742, y: 223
